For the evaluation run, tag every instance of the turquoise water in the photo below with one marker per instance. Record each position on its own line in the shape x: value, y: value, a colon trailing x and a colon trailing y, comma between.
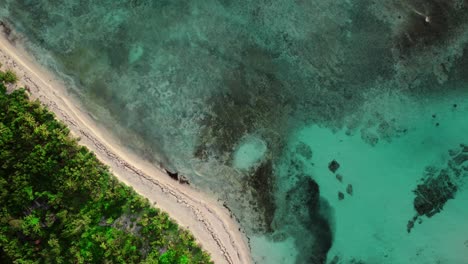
x: 332, y: 129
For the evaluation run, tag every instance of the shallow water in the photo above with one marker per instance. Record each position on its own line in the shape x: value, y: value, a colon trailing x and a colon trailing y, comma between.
x: 253, y: 100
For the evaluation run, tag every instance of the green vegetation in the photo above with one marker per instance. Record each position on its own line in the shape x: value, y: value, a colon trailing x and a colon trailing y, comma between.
x: 8, y: 76
x: 59, y: 204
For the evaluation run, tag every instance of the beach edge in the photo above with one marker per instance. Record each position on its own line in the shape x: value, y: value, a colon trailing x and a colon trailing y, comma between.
x: 211, y: 224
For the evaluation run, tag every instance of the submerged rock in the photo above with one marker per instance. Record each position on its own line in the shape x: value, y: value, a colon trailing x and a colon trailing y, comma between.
x: 339, y: 177
x: 439, y: 186
x: 340, y: 196
x: 304, y: 150
x: 433, y: 193
x: 333, y: 166
x: 304, y: 200
x: 349, y: 189
x: 262, y: 182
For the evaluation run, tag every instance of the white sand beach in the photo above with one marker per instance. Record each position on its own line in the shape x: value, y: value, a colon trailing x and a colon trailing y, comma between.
x: 211, y: 224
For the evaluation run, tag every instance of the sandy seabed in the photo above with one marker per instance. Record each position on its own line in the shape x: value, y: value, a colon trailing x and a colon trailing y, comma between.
x: 212, y: 225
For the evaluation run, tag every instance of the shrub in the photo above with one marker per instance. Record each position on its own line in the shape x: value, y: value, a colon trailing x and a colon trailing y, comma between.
x: 9, y: 77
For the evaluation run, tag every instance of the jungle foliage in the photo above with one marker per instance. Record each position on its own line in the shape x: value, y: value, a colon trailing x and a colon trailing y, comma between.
x: 59, y: 204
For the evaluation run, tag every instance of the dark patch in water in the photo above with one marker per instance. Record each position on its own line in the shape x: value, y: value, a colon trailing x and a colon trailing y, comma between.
x: 433, y: 193
x: 304, y: 200
x: 333, y: 166
x: 173, y: 175
x: 304, y: 150
x: 6, y: 28
x: 459, y: 72
x: 369, y: 54
x: 339, y: 177
x: 340, y: 196
x: 251, y: 101
x: 262, y: 183
x: 428, y: 23
x: 439, y: 186
x: 349, y: 189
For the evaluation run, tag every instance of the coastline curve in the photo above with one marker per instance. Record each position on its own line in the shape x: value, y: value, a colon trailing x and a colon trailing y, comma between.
x: 211, y: 224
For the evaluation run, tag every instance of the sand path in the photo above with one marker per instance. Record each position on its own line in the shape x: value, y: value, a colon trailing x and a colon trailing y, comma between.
x: 210, y: 223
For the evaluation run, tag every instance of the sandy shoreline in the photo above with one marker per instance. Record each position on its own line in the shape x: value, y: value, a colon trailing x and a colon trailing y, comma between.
x: 206, y: 218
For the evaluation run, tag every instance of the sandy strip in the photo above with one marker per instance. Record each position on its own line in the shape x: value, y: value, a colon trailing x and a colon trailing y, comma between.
x: 210, y: 223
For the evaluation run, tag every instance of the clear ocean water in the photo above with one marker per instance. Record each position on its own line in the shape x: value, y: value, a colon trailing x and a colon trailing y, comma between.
x: 334, y: 130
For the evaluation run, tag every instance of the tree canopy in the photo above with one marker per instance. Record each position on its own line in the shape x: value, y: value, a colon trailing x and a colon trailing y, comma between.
x: 59, y: 204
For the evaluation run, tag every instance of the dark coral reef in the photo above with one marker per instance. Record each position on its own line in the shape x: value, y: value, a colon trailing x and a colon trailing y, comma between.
x: 438, y: 186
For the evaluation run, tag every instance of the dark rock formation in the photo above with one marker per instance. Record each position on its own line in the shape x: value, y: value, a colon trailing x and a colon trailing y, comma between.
x: 439, y: 185
x: 6, y: 28
x: 262, y: 183
x: 333, y: 166
x: 349, y: 189
x: 433, y: 193
x: 304, y: 150
x: 184, y: 180
x: 173, y: 175
x: 339, y: 177
x: 304, y: 200
x: 410, y: 224
x: 340, y: 196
